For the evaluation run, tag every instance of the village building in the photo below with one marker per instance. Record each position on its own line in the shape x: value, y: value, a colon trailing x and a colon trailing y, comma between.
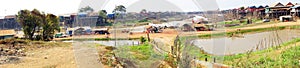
x: 9, y: 22
x: 296, y: 10
x: 278, y: 9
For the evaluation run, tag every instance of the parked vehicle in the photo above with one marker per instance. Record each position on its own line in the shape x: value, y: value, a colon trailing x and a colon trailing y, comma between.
x: 60, y: 35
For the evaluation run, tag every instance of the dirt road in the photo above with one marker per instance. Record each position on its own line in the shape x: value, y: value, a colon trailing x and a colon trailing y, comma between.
x: 86, y: 55
x: 59, y: 57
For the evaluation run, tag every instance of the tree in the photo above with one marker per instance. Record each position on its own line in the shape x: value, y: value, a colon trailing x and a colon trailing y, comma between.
x: 30, y: 22
x: 86, y: 9
x: 119, y: 10
x: 33, y: 22
x: 242, y: 8
x: 102, y: 13
x: 144, y: 11
x: 50, y: 25
x: 102, y: 17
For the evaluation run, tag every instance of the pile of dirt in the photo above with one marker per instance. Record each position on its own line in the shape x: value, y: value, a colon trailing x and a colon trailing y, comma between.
x: 12, y: 47
x: 11, y: 50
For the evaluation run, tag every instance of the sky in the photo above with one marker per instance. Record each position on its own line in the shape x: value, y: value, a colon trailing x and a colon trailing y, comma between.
x: 58, y: 7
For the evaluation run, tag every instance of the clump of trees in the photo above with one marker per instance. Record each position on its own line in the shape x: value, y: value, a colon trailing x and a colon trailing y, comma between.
x: 38, y: 25
x: 119, y: 11
x: 86, y: 9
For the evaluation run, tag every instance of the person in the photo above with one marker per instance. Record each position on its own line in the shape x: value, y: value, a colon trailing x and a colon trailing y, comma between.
x: 248, y: 21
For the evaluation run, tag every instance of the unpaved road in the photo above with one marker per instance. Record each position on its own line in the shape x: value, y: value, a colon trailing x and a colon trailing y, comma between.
x: 86, y: 55
x: 59, y: 57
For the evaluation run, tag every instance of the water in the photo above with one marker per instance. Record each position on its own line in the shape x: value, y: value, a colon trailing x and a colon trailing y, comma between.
x: 256, y: 41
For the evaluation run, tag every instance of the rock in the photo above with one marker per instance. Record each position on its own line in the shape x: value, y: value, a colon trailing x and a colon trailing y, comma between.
x: 45, y: 57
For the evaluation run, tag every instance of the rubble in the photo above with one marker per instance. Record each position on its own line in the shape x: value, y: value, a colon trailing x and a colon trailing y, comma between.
x: 11, y: 50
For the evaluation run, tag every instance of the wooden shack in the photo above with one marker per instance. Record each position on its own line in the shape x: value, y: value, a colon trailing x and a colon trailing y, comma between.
x: 278, y: 9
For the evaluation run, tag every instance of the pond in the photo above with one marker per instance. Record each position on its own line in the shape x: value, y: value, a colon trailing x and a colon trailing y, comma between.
x: 254, y: 41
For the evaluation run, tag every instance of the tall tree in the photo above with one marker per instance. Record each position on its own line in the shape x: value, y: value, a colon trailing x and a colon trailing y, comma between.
x: 50, y: 25
x: 30, y: 22
x: 102, y: 13
x: 86, y: 9
x: 102, y: 17
x: 119, y: 10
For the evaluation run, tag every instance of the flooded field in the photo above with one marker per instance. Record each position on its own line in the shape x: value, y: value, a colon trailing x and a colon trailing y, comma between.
x: 254, y: 41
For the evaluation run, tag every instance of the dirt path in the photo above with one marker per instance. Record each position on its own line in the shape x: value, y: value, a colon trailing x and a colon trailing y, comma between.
x: 58, y: 57
x: 86, y: 55
x: 75, y: 55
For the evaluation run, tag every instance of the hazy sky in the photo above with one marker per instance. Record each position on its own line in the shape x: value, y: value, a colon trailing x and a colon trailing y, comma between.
x: 10, y: 7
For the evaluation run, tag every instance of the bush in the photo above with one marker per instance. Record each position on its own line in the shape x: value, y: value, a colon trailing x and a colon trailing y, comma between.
x: 143, y: 40
x: 144, y: 20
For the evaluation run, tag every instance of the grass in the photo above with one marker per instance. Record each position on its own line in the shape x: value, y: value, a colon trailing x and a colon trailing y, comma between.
x: 140, y: 52
x: 271, y: 57
x: 99, y: 39
x: 246, y: 31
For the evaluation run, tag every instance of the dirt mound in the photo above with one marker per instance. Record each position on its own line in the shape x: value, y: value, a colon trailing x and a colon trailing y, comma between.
x: 11, y: 50
x: 12, y: 47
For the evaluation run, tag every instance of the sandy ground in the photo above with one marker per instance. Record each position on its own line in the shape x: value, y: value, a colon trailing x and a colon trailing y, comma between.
x: 75, y: 55
x: 59, y: 57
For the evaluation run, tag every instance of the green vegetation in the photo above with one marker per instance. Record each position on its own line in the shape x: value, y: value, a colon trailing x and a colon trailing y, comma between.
x: 119, y: 10
x: 86, y: 9
x: 141, y: 52
x: 37, y: 25
x: 242, y: 23
x: 231, y: 22
x: 247, y: 31
x: 285, y: 55
x: 144, y: 20
x: 143, y: 39
x: 99, y: 39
